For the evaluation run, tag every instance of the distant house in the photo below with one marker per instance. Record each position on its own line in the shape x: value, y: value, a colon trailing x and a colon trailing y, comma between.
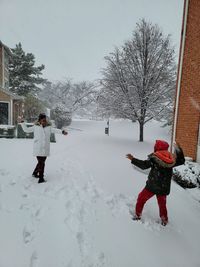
x: 11, y: 105
x: 187, y: 106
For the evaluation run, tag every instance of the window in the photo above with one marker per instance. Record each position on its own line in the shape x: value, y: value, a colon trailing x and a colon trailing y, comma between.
x: 4, y: 113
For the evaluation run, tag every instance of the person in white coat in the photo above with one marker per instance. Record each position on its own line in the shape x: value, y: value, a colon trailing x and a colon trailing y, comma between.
x: 42, y: 130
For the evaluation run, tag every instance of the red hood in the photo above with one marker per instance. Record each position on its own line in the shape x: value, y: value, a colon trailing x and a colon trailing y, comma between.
x: 161, y: 145
x: 165, y: 156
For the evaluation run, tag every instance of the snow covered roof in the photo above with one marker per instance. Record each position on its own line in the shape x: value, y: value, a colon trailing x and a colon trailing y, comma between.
x: 12, y: 95
x: 8, y: 50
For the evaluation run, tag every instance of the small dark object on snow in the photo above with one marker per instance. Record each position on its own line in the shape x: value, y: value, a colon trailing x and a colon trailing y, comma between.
x: 107, y: 130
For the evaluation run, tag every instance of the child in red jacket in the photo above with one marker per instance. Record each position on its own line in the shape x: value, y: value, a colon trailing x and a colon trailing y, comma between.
x: 161, y: 163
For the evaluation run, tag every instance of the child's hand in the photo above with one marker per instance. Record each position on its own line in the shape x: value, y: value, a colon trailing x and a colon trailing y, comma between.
x: 129, y: 156
x: 64, y: 132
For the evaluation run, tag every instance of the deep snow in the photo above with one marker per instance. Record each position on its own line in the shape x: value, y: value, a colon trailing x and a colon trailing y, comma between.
x: 80, y: 217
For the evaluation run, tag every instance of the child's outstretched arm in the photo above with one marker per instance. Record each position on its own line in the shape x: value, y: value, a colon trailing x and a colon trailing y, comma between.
x: 27, y: 129
x: 142, y: 164
x: 58, y: 131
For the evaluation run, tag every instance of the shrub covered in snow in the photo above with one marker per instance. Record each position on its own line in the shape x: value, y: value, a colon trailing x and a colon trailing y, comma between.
x: 187, y: 175
x: 61, y: 115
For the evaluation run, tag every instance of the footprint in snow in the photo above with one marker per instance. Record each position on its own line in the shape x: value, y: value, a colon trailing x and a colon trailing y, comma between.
x: 38, y: 213
x: 4, y: 208
x: 1, y: 188
x: 119, y: 203
x: 24, y: 195
x: 28, y: 234
x: 34, y: 259
x: 12, y: 183
x: 3, y: 172
x: 61, y: 191
x: 101, y: 260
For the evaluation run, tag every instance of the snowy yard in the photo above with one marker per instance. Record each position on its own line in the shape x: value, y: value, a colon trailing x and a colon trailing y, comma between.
x: 80, y: 217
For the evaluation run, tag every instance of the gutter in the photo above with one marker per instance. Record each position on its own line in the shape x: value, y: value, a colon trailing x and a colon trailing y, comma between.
x: 182, y: 48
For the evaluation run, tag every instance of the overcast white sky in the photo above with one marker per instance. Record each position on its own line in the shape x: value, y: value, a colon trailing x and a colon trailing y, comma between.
x: 71, y: 37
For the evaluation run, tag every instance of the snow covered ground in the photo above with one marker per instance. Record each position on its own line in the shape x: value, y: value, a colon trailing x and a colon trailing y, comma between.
x: 80, y: 217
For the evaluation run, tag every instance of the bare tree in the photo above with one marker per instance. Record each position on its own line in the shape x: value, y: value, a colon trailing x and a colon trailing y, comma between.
x: 65, y: 98
x: 139, y: 80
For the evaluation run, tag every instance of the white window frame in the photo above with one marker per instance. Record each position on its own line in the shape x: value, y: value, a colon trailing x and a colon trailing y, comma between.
x: 9, y: 111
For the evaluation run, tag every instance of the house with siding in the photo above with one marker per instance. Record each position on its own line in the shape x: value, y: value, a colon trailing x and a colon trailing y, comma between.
x: 187, y: 104
x: 11, y: 105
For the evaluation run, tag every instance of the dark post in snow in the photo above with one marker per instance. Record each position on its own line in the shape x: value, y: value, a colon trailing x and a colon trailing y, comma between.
x: 107, y: 129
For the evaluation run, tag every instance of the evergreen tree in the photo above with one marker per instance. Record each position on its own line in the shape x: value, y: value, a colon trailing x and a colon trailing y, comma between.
x: 25, y: 77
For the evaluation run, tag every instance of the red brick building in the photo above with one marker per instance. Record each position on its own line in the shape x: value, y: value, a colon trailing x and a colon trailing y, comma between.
x: 187, y: 105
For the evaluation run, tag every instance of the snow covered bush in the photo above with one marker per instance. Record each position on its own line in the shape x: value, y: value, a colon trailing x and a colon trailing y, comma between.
x: 187, y: 175
x: 61, y: 115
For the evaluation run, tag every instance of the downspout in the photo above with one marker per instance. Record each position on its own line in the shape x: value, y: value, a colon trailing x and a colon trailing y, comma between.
x: 180, y: 68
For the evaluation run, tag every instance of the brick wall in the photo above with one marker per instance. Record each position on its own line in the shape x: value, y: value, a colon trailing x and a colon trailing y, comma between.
x: 188, y: 111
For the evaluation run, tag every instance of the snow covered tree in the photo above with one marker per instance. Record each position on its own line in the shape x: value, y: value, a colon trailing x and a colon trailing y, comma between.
x: 33, y: 107
x: 25, y: 77
x: 61, y: 115
x: 65, y: 98
x: 138, y: 82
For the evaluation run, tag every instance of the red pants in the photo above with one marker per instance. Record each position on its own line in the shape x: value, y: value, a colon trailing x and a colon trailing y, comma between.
x: 146, y: 195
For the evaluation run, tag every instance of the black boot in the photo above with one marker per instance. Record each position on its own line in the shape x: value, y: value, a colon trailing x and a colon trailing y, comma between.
x: 164, y: 222
x: 41, y: 180
x: 136, y: 217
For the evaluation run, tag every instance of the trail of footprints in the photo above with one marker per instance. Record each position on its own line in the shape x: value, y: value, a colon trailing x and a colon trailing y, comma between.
x: 79, y: 201
x: 79, y: 195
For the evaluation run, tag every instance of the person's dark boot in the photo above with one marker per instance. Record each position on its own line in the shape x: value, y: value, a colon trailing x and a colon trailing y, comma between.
x: 164, y: 222
x: 41, y: 180
x: 136, y: 217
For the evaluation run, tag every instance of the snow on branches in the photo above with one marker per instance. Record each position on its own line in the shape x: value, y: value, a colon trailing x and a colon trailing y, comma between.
x: 65, y: 98
x: 138, y: 81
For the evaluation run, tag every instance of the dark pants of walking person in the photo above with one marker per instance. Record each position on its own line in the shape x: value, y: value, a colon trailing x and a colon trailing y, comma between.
x: 39, y: 169
x: 146, y: 195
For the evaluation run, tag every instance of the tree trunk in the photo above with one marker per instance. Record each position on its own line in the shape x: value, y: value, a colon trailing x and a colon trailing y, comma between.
x: 141, y: 132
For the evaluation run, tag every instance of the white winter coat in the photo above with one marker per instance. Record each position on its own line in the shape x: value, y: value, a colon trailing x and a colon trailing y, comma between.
x: 41, y: 145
